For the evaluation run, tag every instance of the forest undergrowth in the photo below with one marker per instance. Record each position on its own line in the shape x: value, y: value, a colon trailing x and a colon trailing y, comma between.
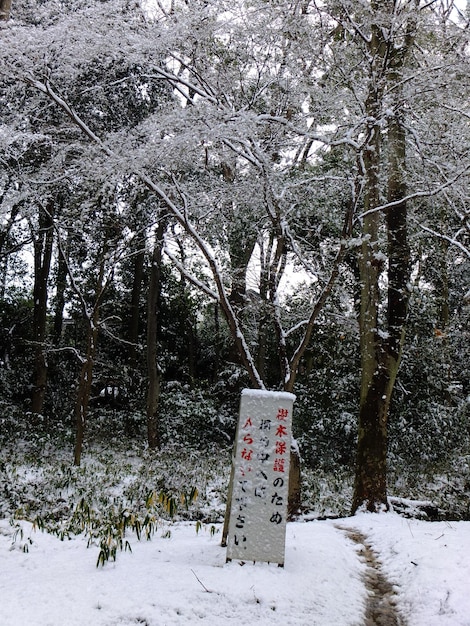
x: 122, y: 487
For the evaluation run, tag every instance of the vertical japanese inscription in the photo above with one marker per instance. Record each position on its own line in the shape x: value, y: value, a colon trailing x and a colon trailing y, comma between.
x: 258, y: 513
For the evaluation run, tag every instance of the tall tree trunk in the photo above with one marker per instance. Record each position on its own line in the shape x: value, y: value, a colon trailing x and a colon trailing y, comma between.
x: 61, y: 285
x: 154, y: 375
x: 134, y: 330
x: 442, y: 279
x: 217, y: 344
x: 371, y: 474
x: 370, y: 483
x: 134, y: 317
x: 84, y: 386
x: 187, y: 327
x: 42, y: 266
x: 86, y: 371
x: 381, y: 351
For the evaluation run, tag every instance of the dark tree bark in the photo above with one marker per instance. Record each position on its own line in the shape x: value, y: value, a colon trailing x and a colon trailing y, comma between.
x: 86, y: 372
x: 84, y: 386
x: 42, y: 264
x: 61, y: 285
x: 154, y: 374
x: 381, y: 351
x: 134, y: 330
x: 134, y: 317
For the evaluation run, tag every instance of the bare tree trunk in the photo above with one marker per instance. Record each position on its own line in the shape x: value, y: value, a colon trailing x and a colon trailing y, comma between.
x: 134, y: 330
x: 61, y: 285
x: 371, y: 479
x: 134, y: 320
x: 84, y: 387
x: 42, y: 266
x: 381, y: 351
x: 154, y: 375
x: 370, y: 485
x: 86, y: 372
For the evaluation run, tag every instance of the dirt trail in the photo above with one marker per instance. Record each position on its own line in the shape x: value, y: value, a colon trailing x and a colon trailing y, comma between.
x: 381, y: 608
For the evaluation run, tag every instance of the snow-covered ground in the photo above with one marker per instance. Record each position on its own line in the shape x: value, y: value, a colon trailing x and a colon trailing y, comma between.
x: 183, y: 578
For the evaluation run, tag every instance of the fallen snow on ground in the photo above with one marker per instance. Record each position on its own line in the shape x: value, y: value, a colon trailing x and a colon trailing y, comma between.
x: 184, y: 579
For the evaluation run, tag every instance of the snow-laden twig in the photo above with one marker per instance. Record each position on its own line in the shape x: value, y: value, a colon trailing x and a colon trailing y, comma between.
x: 418, y: 194
x: 175, y: 79
x: 451, y: 240
x: 297, y: 326
x: 189, y: 276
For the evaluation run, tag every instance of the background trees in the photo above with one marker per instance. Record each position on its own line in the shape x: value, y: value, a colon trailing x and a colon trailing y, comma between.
x: 225, y: 150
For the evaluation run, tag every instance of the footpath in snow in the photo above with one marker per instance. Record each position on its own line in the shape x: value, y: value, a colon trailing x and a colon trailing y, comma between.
x: 337, y: 573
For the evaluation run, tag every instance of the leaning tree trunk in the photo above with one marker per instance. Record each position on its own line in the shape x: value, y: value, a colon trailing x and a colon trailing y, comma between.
x: 42, y: 266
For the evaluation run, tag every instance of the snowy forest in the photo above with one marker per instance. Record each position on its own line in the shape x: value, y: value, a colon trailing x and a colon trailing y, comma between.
x: 202, y: 196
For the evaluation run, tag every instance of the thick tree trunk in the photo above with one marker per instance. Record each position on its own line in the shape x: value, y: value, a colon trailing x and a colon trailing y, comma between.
x: 381, y: 351
x: 42, y: 266
x: 370, y: 488
x: 371, y: 483
x: 154, y: 376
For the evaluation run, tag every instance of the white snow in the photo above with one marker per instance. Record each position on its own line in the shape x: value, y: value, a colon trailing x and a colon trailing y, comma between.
x: 273, y: 395
x: 184, y: 579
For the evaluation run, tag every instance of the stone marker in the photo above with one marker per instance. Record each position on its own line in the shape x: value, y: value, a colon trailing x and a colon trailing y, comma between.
x: 258, y: 512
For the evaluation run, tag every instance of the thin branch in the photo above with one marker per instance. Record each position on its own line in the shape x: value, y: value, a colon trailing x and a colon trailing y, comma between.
x: 325, y: 292
x: 174, y: 78
x: 201, y: 583
x: 192, y: 279
x: 417, y: 194
x: 452, y: 241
